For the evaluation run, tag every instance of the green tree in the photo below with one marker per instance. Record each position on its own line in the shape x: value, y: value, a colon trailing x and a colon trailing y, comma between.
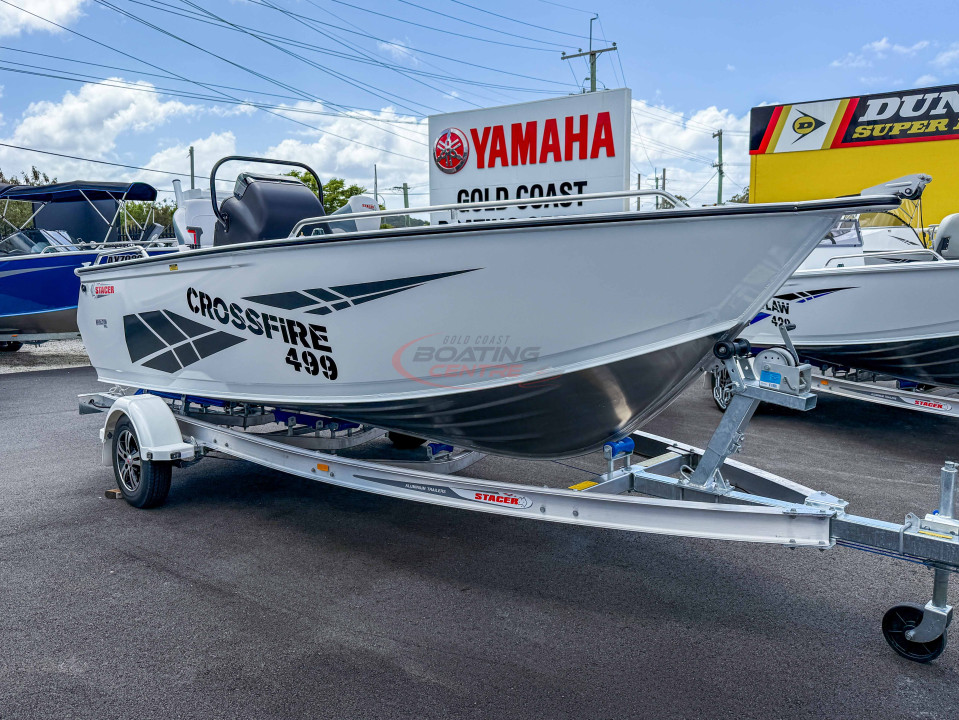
x: 140, y: 211
x: 19, y: 212
x: 741, y: 197
x: 336, y: 193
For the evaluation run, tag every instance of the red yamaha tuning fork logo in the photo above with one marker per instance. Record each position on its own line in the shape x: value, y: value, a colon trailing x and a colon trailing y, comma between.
x: 451, y: 150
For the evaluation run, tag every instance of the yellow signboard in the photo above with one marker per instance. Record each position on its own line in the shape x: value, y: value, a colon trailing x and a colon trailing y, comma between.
x: 829, y: 148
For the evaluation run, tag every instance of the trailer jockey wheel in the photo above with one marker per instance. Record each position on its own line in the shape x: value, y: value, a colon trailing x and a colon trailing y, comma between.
x: 143, y: 483
x: 722, y: 386
x: 899, y: 620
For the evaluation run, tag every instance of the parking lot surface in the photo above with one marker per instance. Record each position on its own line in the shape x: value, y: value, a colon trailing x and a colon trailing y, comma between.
x: 256, y: 594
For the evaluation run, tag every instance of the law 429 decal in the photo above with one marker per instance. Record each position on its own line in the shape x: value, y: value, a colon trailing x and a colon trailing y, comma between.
x: 308, y: 345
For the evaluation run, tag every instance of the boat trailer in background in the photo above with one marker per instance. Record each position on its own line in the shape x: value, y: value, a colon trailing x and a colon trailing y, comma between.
x: 651, y: 484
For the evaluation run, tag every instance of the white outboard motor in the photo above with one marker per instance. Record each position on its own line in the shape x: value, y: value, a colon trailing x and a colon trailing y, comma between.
x: 193, y: 221
x: 356, y: 204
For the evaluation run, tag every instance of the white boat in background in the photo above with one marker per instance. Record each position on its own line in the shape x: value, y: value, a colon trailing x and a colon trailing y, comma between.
x: 869, y: 304
x: 536, y: 337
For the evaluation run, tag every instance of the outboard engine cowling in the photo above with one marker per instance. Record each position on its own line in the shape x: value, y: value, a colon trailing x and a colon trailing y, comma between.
x: 264, y: 207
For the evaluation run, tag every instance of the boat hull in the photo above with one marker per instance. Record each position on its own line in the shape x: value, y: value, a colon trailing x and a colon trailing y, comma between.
x: 38, y: 293
x: 531, y: 338
x: 897, y: 319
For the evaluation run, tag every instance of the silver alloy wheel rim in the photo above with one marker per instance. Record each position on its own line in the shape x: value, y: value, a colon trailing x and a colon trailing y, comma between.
x: 722, y: 388
x: 128, y: 461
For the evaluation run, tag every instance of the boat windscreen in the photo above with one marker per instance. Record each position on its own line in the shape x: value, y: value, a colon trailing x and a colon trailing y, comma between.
x: 844, y: 234
x: 33, y: 242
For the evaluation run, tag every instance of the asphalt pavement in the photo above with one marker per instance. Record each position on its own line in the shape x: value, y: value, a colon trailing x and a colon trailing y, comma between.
x: 252, y: 594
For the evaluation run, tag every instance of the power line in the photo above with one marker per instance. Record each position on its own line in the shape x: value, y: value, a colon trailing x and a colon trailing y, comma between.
x: 100, y: 162
x: 568, y: 7
x: 181, y: 77
x: 253, y: 72
x: 500, y: 31
x: 395, y: 68
x: 446, y: 32
x: 160, y: 6
x: 519, y: 22
x: 156, y: 90
x: 704, y: 186
x: 409, y: 47
x: 306, y: 95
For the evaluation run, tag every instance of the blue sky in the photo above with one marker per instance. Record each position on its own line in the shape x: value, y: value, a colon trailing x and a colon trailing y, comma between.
x: 344, y: 84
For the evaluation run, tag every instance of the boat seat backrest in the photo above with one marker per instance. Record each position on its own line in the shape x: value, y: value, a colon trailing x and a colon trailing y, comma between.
x: 265, y: 209
x: 947, y: 237
x: 151, y: 233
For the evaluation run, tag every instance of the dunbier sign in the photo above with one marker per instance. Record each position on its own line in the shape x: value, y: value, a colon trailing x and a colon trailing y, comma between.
x: 548, y: 151
x: 881, y: 119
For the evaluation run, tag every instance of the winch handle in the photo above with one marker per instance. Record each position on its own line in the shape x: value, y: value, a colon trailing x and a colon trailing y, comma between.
x: 221, y: 218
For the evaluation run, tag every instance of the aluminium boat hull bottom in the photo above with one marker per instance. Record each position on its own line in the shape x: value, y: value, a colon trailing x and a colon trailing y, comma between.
x: 896, y: 319
x: 529, y: 338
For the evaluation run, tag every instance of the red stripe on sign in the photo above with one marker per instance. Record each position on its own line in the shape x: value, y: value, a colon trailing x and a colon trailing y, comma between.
x: 844, y: 123
x: 770, y: 129
x: 897, y: 141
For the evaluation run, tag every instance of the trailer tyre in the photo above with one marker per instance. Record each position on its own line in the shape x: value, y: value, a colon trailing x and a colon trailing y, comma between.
x: 143, y: 483
x: 898, y: 621
x: 10, y: 346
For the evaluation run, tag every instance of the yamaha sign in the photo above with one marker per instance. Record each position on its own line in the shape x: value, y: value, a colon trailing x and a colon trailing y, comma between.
x: 549, y: 151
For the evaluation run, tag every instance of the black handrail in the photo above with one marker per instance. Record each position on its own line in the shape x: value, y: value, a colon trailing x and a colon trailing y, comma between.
x: 221, y: 217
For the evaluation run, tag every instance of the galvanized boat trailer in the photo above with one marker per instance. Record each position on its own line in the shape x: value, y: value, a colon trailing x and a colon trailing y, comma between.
x: 651, y: 484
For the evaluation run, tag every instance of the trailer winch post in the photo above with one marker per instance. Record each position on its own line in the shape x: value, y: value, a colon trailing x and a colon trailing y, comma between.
x: 937, y: 613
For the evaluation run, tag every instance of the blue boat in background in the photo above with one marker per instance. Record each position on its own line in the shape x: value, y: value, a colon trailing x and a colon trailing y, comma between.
x: 72, y: 224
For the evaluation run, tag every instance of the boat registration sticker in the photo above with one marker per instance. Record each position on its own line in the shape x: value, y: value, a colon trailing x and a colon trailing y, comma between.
x: 769, y: 379
x: 174, y: 266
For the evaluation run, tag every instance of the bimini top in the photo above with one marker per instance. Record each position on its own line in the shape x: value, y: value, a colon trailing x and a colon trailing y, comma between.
x: 76, y: 190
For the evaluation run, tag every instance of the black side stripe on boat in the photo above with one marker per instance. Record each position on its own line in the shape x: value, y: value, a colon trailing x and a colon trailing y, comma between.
x: 169, y: 342
x: 323, y: 301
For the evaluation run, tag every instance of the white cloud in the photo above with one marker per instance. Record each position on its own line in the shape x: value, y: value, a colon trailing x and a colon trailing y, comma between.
x: 661, y: 139
x: 877, y: 50
x: 852, y: 60
x: 398, y: 50
x: 731, y: 68
x: 910, y: 49
x: 879, y: 47
x: 175, y: 158
x: 86, y: 123
x: 926, y: 80
x: 947, y: 58
x: 14, y: 21
x: 344, y: 157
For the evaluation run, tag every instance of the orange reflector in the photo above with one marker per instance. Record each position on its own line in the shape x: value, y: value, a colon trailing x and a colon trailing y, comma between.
x: 823, y: 382
x: 322, y: 467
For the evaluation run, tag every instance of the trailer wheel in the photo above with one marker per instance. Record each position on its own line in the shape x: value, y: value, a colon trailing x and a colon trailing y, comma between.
x: 722, y: 388
x: 10, y: 346
x: 143, y: 483
x: 899, y: 620
x: 402, y: 441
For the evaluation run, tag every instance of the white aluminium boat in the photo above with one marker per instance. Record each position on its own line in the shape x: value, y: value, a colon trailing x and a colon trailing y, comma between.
x: 875, y: 302
x: 536, y: 337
